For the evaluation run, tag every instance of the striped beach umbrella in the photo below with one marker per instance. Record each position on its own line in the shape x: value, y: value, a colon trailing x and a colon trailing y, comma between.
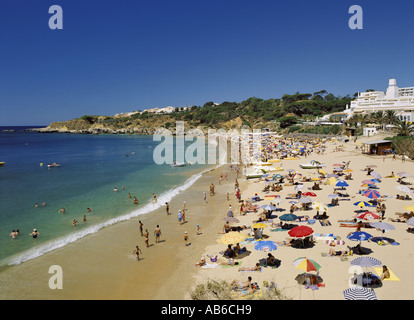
x: 368, y: 216
x: 366, y: 261
x: 371, y: 194
x: 319, y: 206
x: 359, y: 293
x: 362, y: 204
x: 306, y: 264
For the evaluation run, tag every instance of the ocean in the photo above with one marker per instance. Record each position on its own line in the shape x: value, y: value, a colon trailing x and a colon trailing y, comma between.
x: 92, y: 166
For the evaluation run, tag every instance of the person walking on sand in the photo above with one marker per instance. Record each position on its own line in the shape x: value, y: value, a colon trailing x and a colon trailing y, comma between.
x: 186, y: 239
x: 198, y: 229
x: 137, y: 251
x: 157, y: 233
x: 167, y: 208
x: 204, y: 197
x: 140, y: 227
x: 180, y: 217
x: 146, y: 238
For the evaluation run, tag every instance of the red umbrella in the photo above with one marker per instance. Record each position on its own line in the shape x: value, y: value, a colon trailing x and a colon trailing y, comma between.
x: 309, y: 194
x: 300, y: 231
x: 368, y: 216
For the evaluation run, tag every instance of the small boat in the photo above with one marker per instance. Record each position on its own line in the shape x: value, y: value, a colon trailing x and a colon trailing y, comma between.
x: 312, y: 165
x: 53, y: 165
x: 2, y: 163
x: 178, y: 164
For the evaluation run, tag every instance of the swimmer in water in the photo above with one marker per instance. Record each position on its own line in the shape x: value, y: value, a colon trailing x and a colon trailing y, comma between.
x: 34, y: 234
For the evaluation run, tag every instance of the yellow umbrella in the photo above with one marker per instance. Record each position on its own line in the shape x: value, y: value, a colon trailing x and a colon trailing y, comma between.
x: 323, y: 172
x: 259, y: 225
x: 348, y: 170
x: 316, y: 179
x: 331, y: 181
x: 232, y: 237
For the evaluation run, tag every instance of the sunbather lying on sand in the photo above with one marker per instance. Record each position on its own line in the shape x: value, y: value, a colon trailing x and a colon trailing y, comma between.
x: 257, y: 267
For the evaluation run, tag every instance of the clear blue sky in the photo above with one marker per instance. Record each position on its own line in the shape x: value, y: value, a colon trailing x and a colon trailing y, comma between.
x: 119, y: 56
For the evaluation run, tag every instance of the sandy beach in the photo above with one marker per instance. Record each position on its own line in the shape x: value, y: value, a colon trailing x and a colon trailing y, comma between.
x: 335, y: 271
x: 103, y: 266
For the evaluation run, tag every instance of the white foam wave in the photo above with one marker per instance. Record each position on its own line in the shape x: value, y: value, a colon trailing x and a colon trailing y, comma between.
x: 63, y: 241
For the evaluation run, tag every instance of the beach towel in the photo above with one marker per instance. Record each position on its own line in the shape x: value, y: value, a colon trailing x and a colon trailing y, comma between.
x: 210, y: 266
x: 336, y: 242
x: 311, y: 221
x: 325, y: 223
x: 278, y: 229
x: 392, y: 277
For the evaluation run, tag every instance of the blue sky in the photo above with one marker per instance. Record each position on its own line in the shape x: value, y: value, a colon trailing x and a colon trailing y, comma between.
x: 120, y: 56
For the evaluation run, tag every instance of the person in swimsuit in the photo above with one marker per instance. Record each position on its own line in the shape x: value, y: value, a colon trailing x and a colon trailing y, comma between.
x: 146, y: 239
x: 167, y: 208
x: 157, y: 233
x: 137, y: 251
x: 140, y: 227
x: 34, y: 234
x: 186, y: 239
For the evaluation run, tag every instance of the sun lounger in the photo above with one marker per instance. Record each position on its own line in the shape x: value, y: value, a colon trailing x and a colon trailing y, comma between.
x: 325, y: 223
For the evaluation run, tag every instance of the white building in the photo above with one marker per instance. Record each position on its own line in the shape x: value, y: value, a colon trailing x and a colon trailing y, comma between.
x: 398, y: 99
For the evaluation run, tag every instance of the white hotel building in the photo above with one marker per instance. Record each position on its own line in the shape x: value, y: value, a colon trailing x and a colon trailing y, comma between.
x: 398, y: 99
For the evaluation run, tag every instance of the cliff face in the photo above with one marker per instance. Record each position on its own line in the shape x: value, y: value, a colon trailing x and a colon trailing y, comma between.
x: 127, y: 125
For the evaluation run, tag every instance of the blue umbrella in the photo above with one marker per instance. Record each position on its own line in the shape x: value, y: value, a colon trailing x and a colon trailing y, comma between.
x: 342, y: 183
x: 375, y: 180
x: 359, y: 293
x: 265, y: 246
x: 359, y: 236
x: 288, y: 217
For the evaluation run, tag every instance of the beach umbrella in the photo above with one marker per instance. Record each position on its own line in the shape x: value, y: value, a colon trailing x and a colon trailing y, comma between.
x: 277, y: 175
x: 368, y: 216
x: 408, y: 180
x: 305, y: 200
x: 333, y: 196
x: 319, y: 206
x: 348, y: 170
x: 359, y: 293
x: 404, y: 189
x: 341, y: 183
x: 300, y: 231
x: 259, y: 225
x: 383, y: 226
x: 374, y: 181
x: 293, y: 202
x: 404, y: 174
x: 337, y: 165
x: 376, y: 175
x: 268, y: 207
x: 232, y: 237
x: 231, y: 219
x: 363, y: 204
x: 322, y: 172
x: 309, y: 194
x: 410, y: 221
x: 409, y: 208
x: 359, y: 236
x: 372, y: 194
x: 266, y: 246
x: 332, y: 175
x: 306, y: 264
x: 368, y: 185
x: 288, y: 217
x: 299, y: 187
x: 366, y: 261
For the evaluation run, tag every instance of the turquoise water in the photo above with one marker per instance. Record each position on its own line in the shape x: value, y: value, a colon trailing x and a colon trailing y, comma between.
x: 91, y: 167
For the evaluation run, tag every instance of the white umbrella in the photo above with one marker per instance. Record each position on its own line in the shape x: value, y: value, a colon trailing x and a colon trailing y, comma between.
x: 404, y: 189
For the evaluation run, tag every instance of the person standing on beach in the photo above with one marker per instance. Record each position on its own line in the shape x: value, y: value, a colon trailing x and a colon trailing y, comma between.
x: 205, y: 197
x: 140, y: 227
x: 167, y: 208
x: 157, y: 233
x: 198, y: 229
x: 137, y: 251
x: 180, y: 217
x: 146, y: 238
x: 154, y: 198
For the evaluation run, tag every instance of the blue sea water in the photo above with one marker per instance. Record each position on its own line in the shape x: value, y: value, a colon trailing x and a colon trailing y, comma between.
x: 91, y: 167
